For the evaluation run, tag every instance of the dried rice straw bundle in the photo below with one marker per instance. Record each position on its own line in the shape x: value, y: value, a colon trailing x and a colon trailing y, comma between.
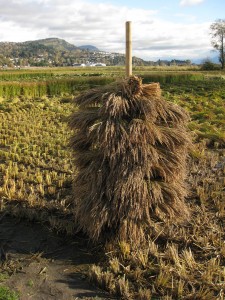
x: 130, y: 148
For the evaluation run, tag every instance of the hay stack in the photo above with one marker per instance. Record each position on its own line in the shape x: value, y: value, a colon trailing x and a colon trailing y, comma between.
x: 130, y: 148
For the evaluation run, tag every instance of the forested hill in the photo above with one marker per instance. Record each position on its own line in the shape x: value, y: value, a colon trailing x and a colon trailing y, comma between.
x: 56, y: 52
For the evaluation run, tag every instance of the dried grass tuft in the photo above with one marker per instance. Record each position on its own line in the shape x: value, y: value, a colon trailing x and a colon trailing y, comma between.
x: 130, y: 148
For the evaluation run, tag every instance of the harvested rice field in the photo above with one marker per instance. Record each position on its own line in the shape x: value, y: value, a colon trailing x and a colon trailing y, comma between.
x: 183, y: 261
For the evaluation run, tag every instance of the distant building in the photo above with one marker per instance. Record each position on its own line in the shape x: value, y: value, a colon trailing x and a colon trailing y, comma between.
x: 91, y: 64
x: 100, y: 65
x: 78, y: 65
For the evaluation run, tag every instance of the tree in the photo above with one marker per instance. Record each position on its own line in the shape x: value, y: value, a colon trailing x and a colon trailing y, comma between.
x: 188, y: 62
x: 218, y: 39
x: 208, y: 65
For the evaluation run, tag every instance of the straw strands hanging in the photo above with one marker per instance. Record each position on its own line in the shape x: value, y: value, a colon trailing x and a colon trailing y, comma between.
x: 130, y: 148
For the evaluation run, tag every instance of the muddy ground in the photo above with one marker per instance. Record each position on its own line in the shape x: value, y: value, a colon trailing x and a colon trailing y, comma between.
x: 43, y: 265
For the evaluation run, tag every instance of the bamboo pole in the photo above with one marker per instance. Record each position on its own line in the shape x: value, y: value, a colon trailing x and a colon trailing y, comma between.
x: 128, y: 49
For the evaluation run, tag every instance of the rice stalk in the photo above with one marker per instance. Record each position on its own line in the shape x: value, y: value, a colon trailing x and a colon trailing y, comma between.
x: 130, y: 148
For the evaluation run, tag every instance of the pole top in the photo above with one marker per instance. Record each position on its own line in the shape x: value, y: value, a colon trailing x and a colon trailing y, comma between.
x: 128, y: 49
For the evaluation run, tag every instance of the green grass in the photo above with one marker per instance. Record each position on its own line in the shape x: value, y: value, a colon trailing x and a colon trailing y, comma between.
x: 50, y: 88
x: 3, y: 276
x: 7, y: 294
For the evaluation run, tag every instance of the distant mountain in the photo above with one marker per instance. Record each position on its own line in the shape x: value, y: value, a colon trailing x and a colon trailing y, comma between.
x: 211, y: 57
x: 58, y: 52
x: 89, y: 48
x: 44, y: 52
x: 59, y: 44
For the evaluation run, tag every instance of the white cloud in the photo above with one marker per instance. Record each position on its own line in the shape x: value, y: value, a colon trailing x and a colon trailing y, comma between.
x: 190, y: 2
x: 102, y: 25
x: 168, y: 39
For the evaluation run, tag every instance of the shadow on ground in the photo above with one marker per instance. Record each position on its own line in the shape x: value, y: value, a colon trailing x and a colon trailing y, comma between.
x: 43, y: 265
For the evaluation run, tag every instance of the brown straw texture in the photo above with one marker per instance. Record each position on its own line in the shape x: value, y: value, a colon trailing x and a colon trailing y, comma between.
x: 130, y: 148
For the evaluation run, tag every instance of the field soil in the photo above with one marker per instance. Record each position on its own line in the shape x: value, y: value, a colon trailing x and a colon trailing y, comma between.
x: 42, y: 265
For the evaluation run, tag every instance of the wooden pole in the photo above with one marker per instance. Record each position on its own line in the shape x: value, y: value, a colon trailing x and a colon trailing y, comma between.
x: 128, y: 49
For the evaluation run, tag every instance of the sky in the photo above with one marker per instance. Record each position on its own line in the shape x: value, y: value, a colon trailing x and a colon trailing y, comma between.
x: 161, y: 29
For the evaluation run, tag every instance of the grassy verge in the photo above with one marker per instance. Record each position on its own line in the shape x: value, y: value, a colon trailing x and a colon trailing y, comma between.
x: 5, y: 292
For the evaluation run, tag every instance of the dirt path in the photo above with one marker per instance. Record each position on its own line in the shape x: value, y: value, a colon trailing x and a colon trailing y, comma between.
x: 43, y: 265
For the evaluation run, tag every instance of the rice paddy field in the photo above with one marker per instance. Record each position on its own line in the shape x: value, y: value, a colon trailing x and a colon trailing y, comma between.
x: 36, y: 167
